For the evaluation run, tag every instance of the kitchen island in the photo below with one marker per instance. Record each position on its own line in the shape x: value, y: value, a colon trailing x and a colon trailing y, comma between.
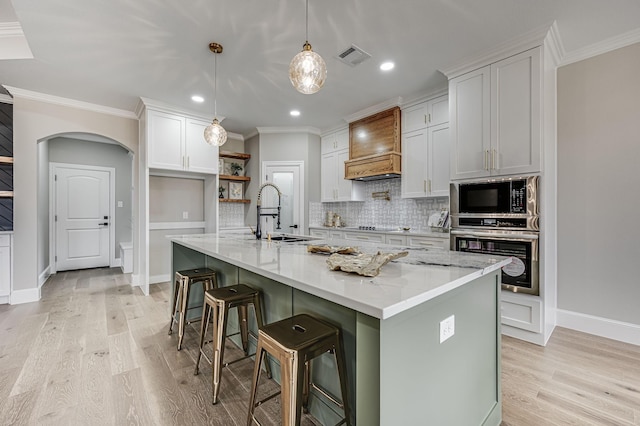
x: 398, y: 370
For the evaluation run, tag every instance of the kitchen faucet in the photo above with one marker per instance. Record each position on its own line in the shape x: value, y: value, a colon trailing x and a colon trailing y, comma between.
x: 272, y: 214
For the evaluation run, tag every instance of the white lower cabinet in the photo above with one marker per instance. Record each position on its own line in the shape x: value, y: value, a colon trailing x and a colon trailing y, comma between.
x: 370, y: 237
x: 326, y: 234
x: 521, y: 311
x: 398, y: 240
x: 5, y: 268
x: 428, y: 242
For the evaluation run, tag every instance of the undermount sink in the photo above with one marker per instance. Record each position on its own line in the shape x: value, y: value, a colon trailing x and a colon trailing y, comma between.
x: 291, y: 238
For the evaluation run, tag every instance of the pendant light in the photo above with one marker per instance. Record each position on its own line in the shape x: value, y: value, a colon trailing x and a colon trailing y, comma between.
x: 215, y: 134
x: 307, y: 70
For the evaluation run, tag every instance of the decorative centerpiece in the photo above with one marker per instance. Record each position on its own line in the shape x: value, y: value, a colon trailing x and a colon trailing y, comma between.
x: 236, y: 169
x: 367, y: 265
x: 221, y: 190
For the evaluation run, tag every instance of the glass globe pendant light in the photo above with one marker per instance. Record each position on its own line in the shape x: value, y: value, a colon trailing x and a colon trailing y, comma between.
x: 215, y: 134
x: 307, y: 70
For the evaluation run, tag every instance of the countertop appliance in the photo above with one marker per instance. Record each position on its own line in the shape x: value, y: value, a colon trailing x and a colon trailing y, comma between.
x: 500, y: 217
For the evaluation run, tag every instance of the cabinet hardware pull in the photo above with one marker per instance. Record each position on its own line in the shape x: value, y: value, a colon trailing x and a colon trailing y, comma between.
x: 425, y: 185
x: 187, y: 162
x: 493, y: 159
x: 429, y: 117
x: 485, y: 154
x: 429, y: 185
x: 425, y: 119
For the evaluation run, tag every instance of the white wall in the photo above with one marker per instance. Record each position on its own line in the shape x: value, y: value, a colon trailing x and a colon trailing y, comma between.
x: 598, y: 189
x: 35, y: 121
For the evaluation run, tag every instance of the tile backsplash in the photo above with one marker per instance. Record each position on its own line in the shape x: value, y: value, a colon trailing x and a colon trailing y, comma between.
x: 412, y: 212
x: 231, y: 215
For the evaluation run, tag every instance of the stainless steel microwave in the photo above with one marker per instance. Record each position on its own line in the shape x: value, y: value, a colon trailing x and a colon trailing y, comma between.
x: 503, y: 202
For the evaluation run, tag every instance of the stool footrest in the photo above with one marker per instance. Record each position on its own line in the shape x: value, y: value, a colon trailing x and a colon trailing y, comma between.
x: 270, y: 397
x: 327, y: 395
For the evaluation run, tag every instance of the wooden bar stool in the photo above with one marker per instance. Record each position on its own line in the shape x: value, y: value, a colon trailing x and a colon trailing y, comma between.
x: 219, y: 301
x: 294, y: 341
x: 180, y: 305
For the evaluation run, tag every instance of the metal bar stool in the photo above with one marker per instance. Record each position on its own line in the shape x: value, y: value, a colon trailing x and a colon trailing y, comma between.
x: 220, y: 300
x: 180, y: 305
x: 293, y: 341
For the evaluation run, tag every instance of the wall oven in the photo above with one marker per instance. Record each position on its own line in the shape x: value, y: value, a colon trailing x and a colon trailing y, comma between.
x: 500, y: 217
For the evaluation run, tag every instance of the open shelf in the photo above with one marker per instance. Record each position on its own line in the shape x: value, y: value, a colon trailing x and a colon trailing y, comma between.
x: 229, y: 200
x: 235, y: 155
x: 239, y: 178
x: 6, y: 194
x: 6, y: 160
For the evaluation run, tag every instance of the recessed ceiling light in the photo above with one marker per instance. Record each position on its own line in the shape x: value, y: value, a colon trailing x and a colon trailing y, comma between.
x: 386, y: 66
x: 294, y: 113
x: 197, y: 98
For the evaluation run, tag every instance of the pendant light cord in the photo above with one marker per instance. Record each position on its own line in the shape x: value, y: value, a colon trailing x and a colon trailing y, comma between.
x: 307, y: 22
x: 215, y: 85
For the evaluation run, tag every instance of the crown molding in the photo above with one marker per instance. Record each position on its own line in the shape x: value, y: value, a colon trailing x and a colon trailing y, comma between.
x: 374, y: 109
x: 518, y: 44
x: 553, y: 45
x: 252, y: 134
x: 13, y: 43
x: 71, y: 103
x: 613, y: 43
x: 6, y: 99
x: 170, y: 109
x: 11, y: 29
x: 424, y: 96
x: 237, y: 136
x: 273, y: 130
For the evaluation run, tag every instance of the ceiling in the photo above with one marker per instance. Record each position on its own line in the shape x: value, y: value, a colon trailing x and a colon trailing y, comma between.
x: 112, y: 52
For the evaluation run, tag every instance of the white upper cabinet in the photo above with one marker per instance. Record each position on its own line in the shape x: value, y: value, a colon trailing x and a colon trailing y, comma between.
x: 176, y: 142
x: 496, y: 118
x: 333, y: 185
x: 425, y: 150
x: 426, y: 114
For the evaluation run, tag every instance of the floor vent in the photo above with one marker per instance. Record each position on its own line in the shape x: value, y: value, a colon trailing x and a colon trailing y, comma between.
x: 353, y: 55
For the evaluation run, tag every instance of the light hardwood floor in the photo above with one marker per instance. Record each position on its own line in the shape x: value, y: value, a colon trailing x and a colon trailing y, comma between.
x: 95, y: 351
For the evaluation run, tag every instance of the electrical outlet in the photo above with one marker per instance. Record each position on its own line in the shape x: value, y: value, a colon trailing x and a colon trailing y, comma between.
x: 185, y: 215
x: 120, y: 204
x: 447, y: 328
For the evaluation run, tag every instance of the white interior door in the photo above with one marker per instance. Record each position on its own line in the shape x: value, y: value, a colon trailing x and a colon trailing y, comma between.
x: 82, y: 218
x: 289, y: 177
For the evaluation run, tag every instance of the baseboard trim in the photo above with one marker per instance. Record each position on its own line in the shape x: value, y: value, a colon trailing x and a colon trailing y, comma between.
x: 44, y: 276
x: 4, y: 300
x: 116, y: 263
x: 155, y: 279
x: 603, y: 327
x: 135, y: 280
x: 29, y: 295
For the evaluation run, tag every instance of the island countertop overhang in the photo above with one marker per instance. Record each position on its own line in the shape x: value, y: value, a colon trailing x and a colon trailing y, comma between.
x: 423, y: 275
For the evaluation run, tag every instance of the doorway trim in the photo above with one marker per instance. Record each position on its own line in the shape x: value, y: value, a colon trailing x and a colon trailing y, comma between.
x: 295, y: 164
x: 53, y: 167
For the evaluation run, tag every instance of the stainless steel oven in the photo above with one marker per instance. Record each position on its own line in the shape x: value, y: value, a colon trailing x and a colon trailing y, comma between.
x: 521, y: 275
x: 500, y: 217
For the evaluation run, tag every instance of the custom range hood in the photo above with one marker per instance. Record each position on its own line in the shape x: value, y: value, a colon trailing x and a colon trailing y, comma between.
x: 374, y: 147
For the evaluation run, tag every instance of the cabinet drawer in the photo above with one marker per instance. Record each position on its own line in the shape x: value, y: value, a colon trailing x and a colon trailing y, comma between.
x: 362, y: 236
x: 427, y: 242
x: 319, y: 233
x: 521, y: 311
x: 399, y: 240
x: 5, y: 240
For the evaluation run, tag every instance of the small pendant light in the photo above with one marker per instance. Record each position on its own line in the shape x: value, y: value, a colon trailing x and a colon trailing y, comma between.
x: 307, y: 70
x: 215, y: 134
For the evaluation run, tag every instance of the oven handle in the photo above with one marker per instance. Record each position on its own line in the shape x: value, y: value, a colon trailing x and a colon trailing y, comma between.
x: 505, y: 236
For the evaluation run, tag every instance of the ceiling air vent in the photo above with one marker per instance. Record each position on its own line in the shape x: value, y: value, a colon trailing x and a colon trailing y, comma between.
x: 353, y: 55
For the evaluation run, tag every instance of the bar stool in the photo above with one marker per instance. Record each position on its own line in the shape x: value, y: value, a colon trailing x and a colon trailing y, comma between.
x: 180, y: 305
x: 220, y: 300
x: 293, y: 341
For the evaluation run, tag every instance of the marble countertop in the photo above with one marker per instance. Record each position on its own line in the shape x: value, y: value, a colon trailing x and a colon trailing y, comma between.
x: 402, y: 284
x: 394, y: 231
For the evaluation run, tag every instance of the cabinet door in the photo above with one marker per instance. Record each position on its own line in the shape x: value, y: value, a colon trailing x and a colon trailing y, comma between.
x: 469, y: 123
x: 328, y: 177
x: 346, y: 190
x: 428, y: 242
x: 361, y: 236
x: 321, y: 233
x: 438, y: 111
x: 328, y: 143
x: 414, y: 164
x: 5, y: 270
x: 414, y: 118
x: 515, y: 114
x: 165, y: 140
x: 399, y: 240
x: 439, y: 154
x: 200, y: 156
x: 342, y: 139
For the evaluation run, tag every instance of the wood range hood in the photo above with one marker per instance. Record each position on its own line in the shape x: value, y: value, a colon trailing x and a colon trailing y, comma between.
x: 374, y: 147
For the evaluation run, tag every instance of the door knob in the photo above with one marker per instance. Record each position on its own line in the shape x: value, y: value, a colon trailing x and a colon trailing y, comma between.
x: 104, y: 224
x: 294, y: 226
